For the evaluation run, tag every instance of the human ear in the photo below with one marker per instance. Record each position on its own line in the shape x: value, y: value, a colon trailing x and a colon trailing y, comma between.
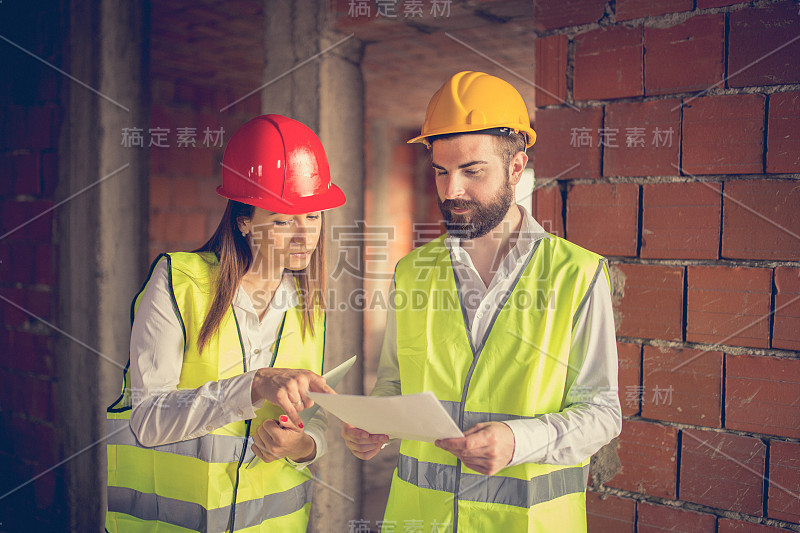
x: 516, y: 166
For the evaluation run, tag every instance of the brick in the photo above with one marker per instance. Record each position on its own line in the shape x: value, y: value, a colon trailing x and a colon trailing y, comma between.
x: 761, y: 220
x: 630, y: 377
x: 34, y: 442
x: 6, y: 175
x: 44, y: 265
x: 38, y: 226
x: 552, y: 14
x: 5, y: 261
x: 651, y: 303
x: 22, y: 264
x: 27, y: 177
x: 634, y: 9
x: 783, y: 133
x: 728, y: 305
x: 708, y: 4
x: 551, y: 70
x: 723, y: 134
x: 547, y: 209
x: 727, y: 525
x: 160, y: 191
x: 202, y: 161
x: 39, y: 303
x: 559, y: 150
x: 41, y: 128
x: 758, y: 49
x: 649, y: 455
x: 682, y: 386
x: 608, y: 64
x: 16, y: 131
x: 686, y: 57
x: 604, y: 217
x: 723, y: 471
x: 49, y: 166
x: 38, y: 397
x: 31, y: 354
x: 646, y: 138
x: 654, y: 518
x: 786, y: 328
x: 185, y: 228
x: 6, y: 402
x: 185, y: 192
x: 681, y: 220
x: 610, y: 514
x: 761, y: 395
x: 11, y: 313
x: 784, y: 481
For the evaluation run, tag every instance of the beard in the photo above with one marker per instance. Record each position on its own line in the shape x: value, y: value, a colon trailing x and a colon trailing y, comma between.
x: 481, y: 219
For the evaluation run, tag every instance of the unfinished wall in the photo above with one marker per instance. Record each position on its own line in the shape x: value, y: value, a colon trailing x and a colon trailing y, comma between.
x: 31, y: 113
x: 670, y: 134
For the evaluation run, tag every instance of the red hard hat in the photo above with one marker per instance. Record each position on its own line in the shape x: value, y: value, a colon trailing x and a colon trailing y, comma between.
x: 278, y: 164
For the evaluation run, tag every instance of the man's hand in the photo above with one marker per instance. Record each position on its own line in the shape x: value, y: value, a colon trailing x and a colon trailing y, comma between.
x: 486, y: 447
x: 364, y: 445
x: 276, y: 439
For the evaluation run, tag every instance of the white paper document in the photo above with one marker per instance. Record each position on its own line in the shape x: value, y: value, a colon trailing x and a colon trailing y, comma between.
x: 413, y: 416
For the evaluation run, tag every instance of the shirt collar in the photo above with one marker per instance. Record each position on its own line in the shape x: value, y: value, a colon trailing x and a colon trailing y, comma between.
x: 530, y: 232
x: 285, y: 296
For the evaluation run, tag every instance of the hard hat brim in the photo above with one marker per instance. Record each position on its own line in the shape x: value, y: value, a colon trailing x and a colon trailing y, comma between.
x: 423, y: 138
x: 331, y: 199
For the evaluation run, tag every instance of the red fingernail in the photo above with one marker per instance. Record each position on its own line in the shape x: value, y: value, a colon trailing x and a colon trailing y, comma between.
x: 301, y: 425
x: 284, y: 418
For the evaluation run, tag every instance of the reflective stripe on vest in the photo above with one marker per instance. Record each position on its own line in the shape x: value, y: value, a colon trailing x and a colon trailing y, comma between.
x: 473, y: 417
x: 146, y: 506
x: 493, y: 489
x: 209, y: 448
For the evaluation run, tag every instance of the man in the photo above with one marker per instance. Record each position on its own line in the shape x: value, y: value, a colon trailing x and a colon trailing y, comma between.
x: 525, y: 360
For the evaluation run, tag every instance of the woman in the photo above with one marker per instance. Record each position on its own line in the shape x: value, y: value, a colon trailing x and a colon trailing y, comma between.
x: 215, y: 333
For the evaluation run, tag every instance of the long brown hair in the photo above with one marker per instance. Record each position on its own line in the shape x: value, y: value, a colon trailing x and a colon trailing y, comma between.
x: 235, y: 259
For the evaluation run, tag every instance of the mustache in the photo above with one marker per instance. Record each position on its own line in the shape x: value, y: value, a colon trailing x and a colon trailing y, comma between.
x: 449, y: 205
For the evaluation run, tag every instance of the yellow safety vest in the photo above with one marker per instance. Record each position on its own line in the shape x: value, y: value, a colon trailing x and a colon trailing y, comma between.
x: 520, y: 370
x: 203, y: 484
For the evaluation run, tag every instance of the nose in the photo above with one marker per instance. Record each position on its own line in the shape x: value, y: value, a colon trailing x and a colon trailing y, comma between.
x: 452, y: 187
x: 303, y: 232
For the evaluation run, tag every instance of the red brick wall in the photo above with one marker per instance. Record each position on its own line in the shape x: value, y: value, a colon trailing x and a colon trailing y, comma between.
x: 202, y: 61
x: 674, y: 138
x: 31, y: 114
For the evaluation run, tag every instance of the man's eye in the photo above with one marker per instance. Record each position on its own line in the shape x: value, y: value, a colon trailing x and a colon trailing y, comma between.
x: 476, y: 172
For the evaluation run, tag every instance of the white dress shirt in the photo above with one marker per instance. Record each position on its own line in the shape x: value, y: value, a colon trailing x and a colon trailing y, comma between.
x: 161, y: 413
x: 593, y: 415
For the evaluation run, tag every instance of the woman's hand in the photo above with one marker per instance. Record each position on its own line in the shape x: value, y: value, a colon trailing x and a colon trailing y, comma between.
x: 287, y: 388
x: 276, y: 439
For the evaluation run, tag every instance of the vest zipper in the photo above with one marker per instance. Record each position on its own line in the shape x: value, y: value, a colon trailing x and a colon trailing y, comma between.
x: 476, y: 353
x: 232, y: 518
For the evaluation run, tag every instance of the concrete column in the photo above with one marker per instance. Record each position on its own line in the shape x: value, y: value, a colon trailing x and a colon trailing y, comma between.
x: 101, y: 232
x: 327, y: 94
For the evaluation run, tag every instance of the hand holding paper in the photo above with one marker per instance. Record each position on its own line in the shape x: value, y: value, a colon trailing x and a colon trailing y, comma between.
x: 414, y: 416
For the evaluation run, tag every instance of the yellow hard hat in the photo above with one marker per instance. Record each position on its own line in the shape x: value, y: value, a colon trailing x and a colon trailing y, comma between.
x: 475, y: 101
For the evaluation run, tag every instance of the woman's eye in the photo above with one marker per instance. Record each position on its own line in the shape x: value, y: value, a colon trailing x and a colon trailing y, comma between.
x: 282, y: 222
x: 312, y: 217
